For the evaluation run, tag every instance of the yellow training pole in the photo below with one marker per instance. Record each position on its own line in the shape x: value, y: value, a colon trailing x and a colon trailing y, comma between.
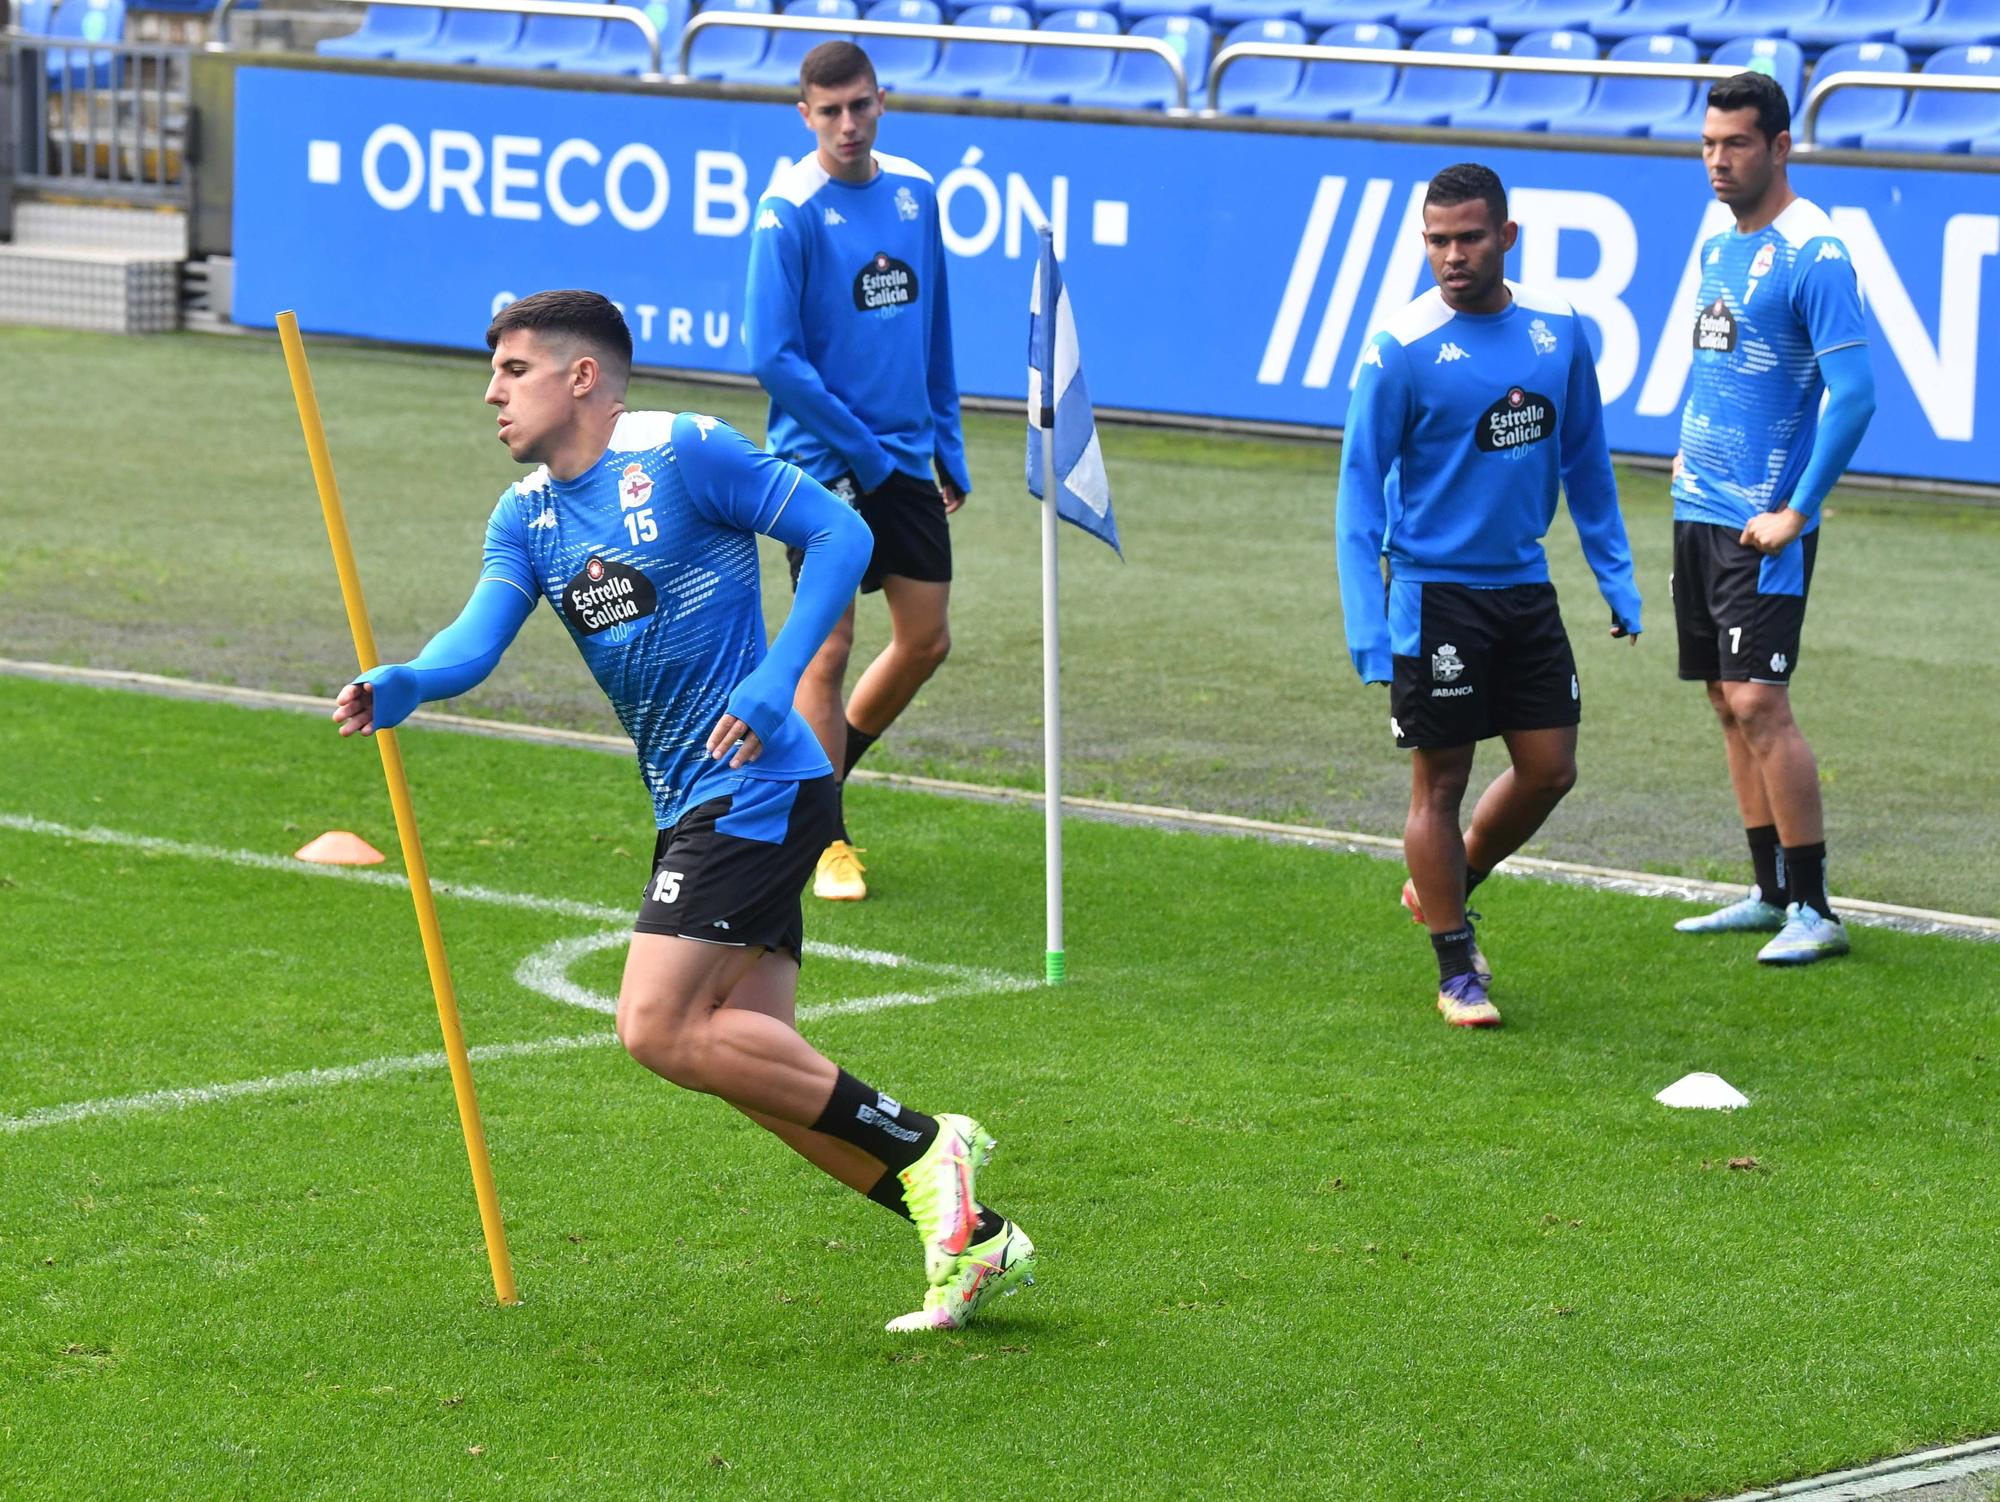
x: 406, y: 818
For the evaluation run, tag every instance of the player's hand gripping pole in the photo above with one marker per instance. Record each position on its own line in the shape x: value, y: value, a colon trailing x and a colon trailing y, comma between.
x: 406, y: 818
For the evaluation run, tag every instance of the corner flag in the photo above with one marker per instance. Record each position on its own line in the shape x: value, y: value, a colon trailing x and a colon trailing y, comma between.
x: 1059, y: 403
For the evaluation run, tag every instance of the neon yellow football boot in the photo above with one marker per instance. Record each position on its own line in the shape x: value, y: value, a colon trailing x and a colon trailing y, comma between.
x: 838, y: 877
x: 1002, y: 1264
x: 938, y: 1190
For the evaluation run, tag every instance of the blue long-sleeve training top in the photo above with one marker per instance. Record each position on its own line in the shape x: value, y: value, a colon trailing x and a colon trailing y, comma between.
x: 848, y: 325
x: 1775, y: 311
x: 650, y: 559
x: 1462, y: 429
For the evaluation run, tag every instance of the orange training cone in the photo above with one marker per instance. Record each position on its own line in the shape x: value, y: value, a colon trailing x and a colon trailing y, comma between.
x: 339, y: 848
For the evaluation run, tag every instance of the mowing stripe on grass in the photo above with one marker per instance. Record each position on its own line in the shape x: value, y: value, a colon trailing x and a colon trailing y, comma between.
x: 153, y: 1101
x: 969, y: 976
x: 1856, y: 910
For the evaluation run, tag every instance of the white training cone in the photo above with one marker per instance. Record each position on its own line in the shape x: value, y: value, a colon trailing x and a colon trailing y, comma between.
x: 1703, y: 1092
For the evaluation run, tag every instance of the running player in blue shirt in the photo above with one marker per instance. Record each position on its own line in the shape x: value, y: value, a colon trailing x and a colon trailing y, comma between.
x: 1777, y: 325
x: 1473, y: 407
x: 849, y: 329
x: 640, y: 529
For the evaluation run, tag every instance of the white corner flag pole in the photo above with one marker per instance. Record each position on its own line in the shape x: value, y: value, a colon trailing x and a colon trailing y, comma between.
x: 1051, y: 701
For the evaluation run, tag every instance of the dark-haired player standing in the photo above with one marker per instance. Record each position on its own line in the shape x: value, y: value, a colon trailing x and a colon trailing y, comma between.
x: 1777, y: 325
x: 1474, y: 406
x: 848, y: 327
x: 640, y: 529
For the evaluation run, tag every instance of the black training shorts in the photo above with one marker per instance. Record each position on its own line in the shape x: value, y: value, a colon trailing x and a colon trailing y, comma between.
x: 1738, y: 612
x: 731, y: 871
x: 912, y: 533
x: 1488, y: 661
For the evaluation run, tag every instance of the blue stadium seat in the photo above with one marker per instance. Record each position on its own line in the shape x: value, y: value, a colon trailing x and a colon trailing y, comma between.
x: 467, y: 36
x: 780, y: 64
x: 1258, y: 81
x: 1412, y: 20
x: 32, y: 16
x: 384, y: 28
x: 727, y: 52
x: 1224, y: 14
x: 1331, y: 91
x: 550, y: 41
x: 903, y: 62
x: 1849, y: 115
x: 970, y: 68
x: 1628, y: 106
x: 1859, y: 21
x: 1145, y: 10
x: 1986, y: 146
x: 1431, y: 96
x: 1139, y: 82
x: 622, y: 49
x: 1060, y: 75
x: 1955, y: 23
x: 1757, y: 18
x: 1551, y: 15
x: 86, y: 21
x: 1530, y: 101
x: 1318, y: 15
x: 1641, y: 18
x: 1773, y: 55
x: 1946, y: 122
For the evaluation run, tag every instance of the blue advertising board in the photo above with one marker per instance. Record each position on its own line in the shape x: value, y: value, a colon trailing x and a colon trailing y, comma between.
x: 1215, y: 272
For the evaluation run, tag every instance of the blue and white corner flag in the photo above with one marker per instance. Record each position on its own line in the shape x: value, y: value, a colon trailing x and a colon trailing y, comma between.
x: 1059, y: 401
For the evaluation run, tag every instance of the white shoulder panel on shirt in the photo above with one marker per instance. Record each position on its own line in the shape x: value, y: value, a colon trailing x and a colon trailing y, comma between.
x: 533, y: 484
x: 641, y: 430
x: 800, y: 181
x: 1414, y: 321
x: 1802, y: 220
x: 900, y: 166
x: 1541, y: 300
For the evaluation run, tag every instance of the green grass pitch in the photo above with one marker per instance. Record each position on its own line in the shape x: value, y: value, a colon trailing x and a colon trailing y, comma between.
x: 1207, y: 671
x: 1299, y: 1238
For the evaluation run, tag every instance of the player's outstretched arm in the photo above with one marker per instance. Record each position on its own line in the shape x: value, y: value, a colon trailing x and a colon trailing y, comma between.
x: 1592, y: 492
x: 774, y: 332
x: 457, y: 659
x: 1369, y: 444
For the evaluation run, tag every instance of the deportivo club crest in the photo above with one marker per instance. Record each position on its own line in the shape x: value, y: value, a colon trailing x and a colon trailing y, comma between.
x: 1544, y: 341
x: 635, y: 487
x: 1446, y: 664
x: 906, y: 203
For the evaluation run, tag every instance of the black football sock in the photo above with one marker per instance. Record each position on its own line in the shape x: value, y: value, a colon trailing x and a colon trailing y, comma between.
x: 1805, y: 877
x: 1764, y: 861
x: 1473, y: 877
x: 876, y: 1123
x: 840, y: 814
x: 1454, y: 952
x: 858, y: 742
x: 888, y: 1193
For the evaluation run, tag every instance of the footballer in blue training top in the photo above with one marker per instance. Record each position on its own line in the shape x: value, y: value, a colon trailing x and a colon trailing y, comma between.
x: 640, y: 530
x: 1473, y: 408
x: 848, y: 327
x: 1777, y: 327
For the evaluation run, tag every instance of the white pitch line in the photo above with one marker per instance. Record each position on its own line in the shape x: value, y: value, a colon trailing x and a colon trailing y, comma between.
x: 151, y: 1101
x: 1856, y: 910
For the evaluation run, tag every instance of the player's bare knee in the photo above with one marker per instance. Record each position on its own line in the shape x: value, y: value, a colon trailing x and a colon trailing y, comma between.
x: 1718, y: 700
x: 932, y: 648
x: 660, y: 1038
x: 1556, y: 779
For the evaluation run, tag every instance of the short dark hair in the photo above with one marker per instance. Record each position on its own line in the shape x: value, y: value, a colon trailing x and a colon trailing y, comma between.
x: 831, y: 64
x: 1465, y: 182
x: 590, y: 317
x: 1754, y: 91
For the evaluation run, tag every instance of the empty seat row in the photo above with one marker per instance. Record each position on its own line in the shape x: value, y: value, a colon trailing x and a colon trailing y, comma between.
x: 80, y: 21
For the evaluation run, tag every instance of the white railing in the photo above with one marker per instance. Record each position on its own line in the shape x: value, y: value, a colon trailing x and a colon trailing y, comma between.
x: 630, y: 15
x: 1110, y: 42
x: 1396, y: 58
x: 1945, y: 83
